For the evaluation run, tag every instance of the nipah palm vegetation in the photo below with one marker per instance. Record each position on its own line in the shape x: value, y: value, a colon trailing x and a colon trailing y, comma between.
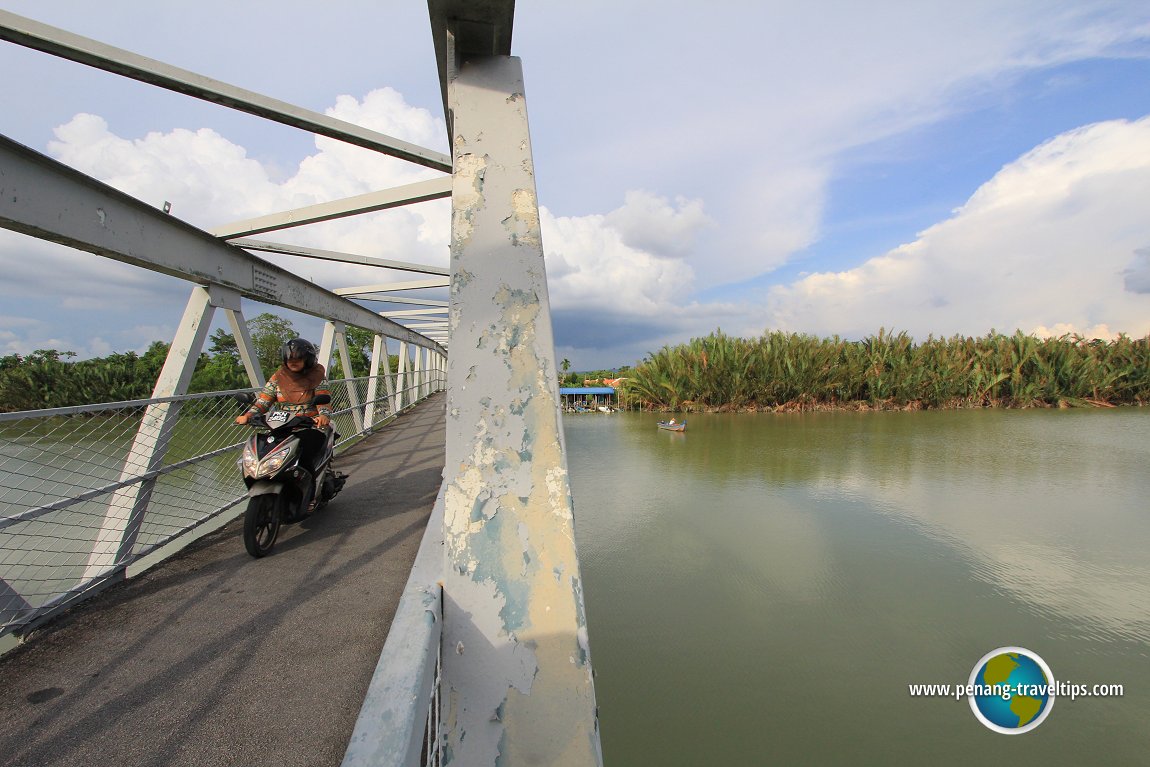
x: 792, y: 371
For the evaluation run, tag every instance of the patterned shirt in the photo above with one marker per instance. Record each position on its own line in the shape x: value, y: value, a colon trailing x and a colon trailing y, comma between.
x: 272, y: 394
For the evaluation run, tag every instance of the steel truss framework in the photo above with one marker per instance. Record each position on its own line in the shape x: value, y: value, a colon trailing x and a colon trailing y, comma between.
x: 516, y: 671
x: 46, y: 199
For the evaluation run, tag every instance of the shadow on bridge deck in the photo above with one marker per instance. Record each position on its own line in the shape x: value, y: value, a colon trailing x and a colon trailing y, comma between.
x: 214, y: 658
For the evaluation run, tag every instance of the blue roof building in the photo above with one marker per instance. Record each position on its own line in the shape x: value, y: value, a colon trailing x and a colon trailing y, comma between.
x: 581, y: 398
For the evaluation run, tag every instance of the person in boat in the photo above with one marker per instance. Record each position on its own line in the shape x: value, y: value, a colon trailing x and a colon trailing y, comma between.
x: 292, y: 387
x: 671, y: 422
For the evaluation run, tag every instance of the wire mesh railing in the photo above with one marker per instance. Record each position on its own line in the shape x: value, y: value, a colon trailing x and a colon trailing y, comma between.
x: 87, y: 491
x: 432, y: 754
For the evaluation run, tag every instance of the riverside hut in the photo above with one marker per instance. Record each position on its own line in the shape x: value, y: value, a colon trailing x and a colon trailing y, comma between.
x: 581, y: 399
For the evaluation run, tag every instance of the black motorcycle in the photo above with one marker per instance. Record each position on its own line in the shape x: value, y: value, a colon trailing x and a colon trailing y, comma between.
x: 287, y: 468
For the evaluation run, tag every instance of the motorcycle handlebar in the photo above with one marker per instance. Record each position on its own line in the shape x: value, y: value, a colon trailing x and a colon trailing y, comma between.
x: 257, y: 420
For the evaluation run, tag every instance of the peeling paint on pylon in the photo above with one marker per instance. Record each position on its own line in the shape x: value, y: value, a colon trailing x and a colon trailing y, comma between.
x: 518, y: 683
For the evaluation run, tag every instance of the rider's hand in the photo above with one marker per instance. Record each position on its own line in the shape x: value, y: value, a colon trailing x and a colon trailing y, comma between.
x: 242, y: 418
x: 321, y: 421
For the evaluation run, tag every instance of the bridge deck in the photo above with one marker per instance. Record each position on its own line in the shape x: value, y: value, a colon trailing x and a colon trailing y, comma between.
x: 214, y: 658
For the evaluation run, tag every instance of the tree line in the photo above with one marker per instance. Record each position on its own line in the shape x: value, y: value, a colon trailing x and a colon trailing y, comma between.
x: 48, y: 378
x: 787, y: 371
x: 793, y: 371
x: 567, y: 377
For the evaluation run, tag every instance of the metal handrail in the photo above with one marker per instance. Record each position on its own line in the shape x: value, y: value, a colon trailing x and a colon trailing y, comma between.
x: 104, y: 406
x: 62, y: 483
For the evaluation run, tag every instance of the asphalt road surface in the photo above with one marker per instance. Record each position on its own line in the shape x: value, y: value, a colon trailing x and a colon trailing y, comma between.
x: 215, y: 658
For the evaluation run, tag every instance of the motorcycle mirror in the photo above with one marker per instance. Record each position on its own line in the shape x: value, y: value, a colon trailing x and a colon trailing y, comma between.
x: 244, y: 398
x: 321, y: 399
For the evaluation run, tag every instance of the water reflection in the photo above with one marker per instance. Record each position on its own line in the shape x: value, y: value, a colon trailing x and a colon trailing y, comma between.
x: 1046, y: 505
x: 758, y: 561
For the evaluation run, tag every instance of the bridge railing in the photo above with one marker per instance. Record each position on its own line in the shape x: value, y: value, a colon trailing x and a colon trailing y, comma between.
x: 71, y: 485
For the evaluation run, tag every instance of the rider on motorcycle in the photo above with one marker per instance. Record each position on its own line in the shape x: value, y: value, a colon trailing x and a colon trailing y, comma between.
x: 292, y: 387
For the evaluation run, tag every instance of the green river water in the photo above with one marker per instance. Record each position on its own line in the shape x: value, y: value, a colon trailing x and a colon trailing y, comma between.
x: 763, y: 588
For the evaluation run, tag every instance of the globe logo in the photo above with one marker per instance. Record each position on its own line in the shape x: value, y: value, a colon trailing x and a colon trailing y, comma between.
x: 1012, y: 690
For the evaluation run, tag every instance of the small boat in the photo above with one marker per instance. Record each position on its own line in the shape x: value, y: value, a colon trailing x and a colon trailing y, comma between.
x: 672, y: 425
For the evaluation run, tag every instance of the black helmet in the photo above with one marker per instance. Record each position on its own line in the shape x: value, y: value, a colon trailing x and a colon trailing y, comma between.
x: 298, y: 348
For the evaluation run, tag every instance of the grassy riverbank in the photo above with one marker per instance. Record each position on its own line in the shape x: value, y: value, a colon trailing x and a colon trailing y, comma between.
x: 790, y: 371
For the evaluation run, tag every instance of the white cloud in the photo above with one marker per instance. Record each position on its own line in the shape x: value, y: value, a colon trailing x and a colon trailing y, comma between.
x: 1054, y: 243
x: 756, y: 118
x: 1060, y: 329
x: 757, y: 132
x: 649, y: 222
x: 207, y: 178
x: 1045, y: 246
x: 591, y: 265
x: 212, y: 181
x: 339, y: 169
x: 630, y: 264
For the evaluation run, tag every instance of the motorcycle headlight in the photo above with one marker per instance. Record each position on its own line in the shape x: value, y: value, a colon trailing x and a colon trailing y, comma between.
x: 273, y: 463
x: 276, y: 459
x: 249, y: 461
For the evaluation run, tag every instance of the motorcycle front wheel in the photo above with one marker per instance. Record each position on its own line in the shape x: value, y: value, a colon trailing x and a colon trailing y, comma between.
x: 262, y: 524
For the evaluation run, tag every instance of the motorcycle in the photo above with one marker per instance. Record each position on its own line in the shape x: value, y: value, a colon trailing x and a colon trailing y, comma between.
x: 282, y: 487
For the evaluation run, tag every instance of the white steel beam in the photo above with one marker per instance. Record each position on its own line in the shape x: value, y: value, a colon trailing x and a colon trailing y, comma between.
x: 124, y: 514
x: 379, y: 350
x: 331, y: 255
x: 423, y: 360
x: 230, y: 301
x: 245, y: 347
x: 386, y: 298
x: 410, y: 301
x: 517, y: 680
x: 372, y: 384
x: 401, y: 375
x: 327, y: 346
x: 379, y: 361
x: 44, y: 198
x: 413, y: 313
x: 463, y: 28
x: 430, y: 282
x: 420, y: 191
x: 58, y: 42
x: 345, y: 362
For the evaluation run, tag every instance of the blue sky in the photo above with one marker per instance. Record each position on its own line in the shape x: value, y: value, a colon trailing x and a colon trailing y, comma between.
x: 833, y: 168
x: 904, y: 184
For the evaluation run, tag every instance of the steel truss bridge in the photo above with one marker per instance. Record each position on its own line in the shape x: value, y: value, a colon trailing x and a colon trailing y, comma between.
x: 487, y: 660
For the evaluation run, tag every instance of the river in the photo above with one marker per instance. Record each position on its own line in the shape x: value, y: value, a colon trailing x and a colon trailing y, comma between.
x: 763, y: 588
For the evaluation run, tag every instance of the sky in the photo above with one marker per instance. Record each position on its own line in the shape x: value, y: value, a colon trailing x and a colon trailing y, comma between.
x: 829, y: 168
